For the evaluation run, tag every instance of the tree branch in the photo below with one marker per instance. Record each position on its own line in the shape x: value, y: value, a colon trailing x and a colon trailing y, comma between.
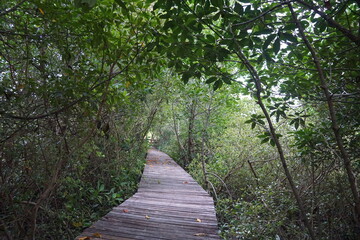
x: 331, y: 22
x: 27, y: 118
x: 262, y: 14
x: 332, y: 114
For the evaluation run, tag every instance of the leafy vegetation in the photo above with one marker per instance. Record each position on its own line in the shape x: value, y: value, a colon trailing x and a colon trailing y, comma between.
x: 74, y: 91
x: 267, y: 120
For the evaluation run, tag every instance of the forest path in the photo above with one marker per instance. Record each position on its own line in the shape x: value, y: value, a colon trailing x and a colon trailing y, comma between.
x: 169, y: 204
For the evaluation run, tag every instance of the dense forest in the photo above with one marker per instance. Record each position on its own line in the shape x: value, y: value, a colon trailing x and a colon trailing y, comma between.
x: 258, y: 100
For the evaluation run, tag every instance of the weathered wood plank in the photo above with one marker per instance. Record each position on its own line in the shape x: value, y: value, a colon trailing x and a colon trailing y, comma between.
x: 169, y: 204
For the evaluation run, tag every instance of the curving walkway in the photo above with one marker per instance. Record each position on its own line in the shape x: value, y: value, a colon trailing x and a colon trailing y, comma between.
x: 169, y: 204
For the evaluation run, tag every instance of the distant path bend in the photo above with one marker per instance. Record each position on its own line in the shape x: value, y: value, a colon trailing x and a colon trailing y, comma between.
x: 169, y: 204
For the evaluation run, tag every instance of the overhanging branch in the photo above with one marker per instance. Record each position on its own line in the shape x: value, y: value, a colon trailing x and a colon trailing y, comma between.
x: 331, y: 22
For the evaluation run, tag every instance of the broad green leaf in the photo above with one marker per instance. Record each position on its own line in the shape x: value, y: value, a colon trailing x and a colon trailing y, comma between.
x: 268, y: 40
x: 186, y: 76
x: 226, y: 80
x: 276, y: 45
x: 212, y: 79
x: 217, y: 3
x: 216, y: 16
x: 210, y: 38
x: 121, y: 4
x: 261, y: 121
x: 238, y: 8
x: 263, y: 31
x: 267, y: 57
x: 289, y: 37
x: 217, y: 84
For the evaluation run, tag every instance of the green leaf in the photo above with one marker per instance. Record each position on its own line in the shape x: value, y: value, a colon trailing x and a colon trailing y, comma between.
x: 217, y: 3
x: 261, y: 121
x: 248, y: 9
x: 289, y: 37
x: 186, y: 76
x: 217, y: 84
x: 216, y: 16
x: 151, y: 46
x: 264, y: 31
x: 210, y: 38
x: 222, y: 53
x: 276, y: 45
x: 157, y: 5
x: 251, y: 44
x: 277, y: 116
x: 267, y: 57
x: 85, y: 4
x: 226, y: 80
x: 169, y: 24
x: 211, y: 80
x: 268, y: 40
x: 238, y: 9
x: 121, y: 4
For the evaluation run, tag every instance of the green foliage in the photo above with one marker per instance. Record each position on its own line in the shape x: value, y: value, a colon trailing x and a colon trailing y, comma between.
x: 75, y: 78
x: 251, y: 219
x: 261, y: 42
x: 84, y: 202
x: 83, y: 83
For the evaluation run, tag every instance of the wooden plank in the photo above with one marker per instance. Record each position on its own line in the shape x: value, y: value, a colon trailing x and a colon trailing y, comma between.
x: 115, y: 234
x: 167, y: 213
x: 129, y: 229
x: 155, y: 209
x: 169, y: 204
x: 153, y: 219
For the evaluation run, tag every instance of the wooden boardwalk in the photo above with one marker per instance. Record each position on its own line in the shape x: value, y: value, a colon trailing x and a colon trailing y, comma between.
x: 169, y: 204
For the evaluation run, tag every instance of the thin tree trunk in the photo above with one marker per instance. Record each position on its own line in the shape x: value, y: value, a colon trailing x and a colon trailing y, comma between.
x: 278, y: 145
x: 181, y: 147
x: 190, y: 140
x: 253, y: 172
x: 257, y: 81
x: 332, y: 113
x: 203, y: 141
x: 48, y: 190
